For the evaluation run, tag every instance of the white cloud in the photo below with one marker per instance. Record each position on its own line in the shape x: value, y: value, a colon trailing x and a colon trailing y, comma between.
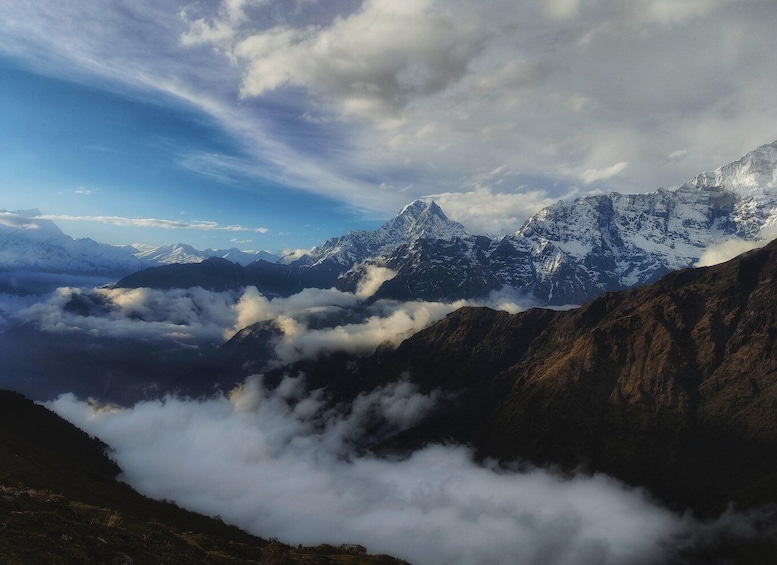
x: 371, y: 62
x: 678, y: 11
x: 726, y: 250
x: 483, y: 211
x: 421, y: 97
x: 183, y: 315
x: 372, y: 280
x: 287, y: 468
x: 204, y: 225
x: 593, y: 175
x: 12, y: 220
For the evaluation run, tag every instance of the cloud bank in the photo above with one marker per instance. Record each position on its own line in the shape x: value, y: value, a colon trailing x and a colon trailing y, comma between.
x: 203, y: 225
x: 312, y: 322
x: 281, y: 464
x: 378, y: 102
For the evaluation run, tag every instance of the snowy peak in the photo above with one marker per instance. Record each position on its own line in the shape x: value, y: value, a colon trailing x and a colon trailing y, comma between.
x: 415, y: 221
x: 755, y: 171
x: 421, y: 219
x: 181, y: 253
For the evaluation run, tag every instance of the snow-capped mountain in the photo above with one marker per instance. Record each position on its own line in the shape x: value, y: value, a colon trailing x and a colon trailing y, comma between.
x: 31, y: 244
x: 753, y: 178
x: 573, y: 251
x: 179, y: 253
x: 320, y: 267
x: 36, y: 256
x: 417, y: 220
x: 567, y: 253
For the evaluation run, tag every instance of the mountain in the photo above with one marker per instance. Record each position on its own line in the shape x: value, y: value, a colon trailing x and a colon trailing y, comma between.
x: 181, y: 253
x: 36, y: 256
x: 567, y: 253
x: 670, y: 386
x: 60, y: 502
x: 573, y: 251
x: 31, y: 244
x: 320, y: 267
x: 417, y: 220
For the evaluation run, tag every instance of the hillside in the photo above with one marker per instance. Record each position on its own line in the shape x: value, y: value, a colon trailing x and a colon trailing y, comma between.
x: 60, y: 503
x: 671, y: 386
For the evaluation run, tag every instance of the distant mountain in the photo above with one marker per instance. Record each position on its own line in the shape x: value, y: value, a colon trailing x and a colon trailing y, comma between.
x: 415, y: 221
x: 567, y: 253
x: 670, y: 386
x: 320, y: 268
x: 181, y: 253
x: 36, y: 256
x: 29, y: 244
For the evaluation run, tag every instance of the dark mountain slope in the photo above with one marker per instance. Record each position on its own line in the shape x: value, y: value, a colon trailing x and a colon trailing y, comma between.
x: 60, y: 503
x: 671, y: 386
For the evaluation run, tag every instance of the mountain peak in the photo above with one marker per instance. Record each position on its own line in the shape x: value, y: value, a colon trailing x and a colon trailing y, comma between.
x: 422, y: 219
x: 418, y: 207
x: 754, y: 171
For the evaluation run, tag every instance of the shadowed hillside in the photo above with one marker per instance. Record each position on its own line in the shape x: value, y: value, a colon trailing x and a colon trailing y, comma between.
x: 671, y: 386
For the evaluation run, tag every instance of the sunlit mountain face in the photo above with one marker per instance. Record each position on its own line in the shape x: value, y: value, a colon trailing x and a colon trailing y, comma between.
x: 378, y: 281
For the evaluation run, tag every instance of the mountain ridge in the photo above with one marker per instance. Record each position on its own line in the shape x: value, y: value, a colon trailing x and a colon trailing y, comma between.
x: 670, y: 386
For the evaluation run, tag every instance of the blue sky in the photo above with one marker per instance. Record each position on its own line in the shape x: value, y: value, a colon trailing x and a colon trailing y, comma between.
x: 268, y: 124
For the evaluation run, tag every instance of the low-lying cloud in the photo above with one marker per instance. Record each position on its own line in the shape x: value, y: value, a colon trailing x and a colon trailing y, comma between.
x: 730, y: 248
x: 281, y: 464
x: 312, y: 322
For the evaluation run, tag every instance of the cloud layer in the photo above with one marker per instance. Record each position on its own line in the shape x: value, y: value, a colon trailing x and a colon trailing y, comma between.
x: 377, y: 102
x: 281, y: 464
x: 313, y: 321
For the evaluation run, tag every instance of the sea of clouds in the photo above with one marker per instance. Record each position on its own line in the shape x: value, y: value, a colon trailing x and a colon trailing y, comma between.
x: 313, y: 321
x: 280, y: 463
x: 284, y: 462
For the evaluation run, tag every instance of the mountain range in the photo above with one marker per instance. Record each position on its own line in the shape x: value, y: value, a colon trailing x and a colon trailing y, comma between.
x: 36, y: 255
x: 567, y: 253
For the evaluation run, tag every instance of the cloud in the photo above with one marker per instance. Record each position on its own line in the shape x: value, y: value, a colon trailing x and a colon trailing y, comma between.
x: 152, y: 223
x: 312, y: 322
x: 12, y: 220
x: 82, y: 191
x: 592, y: 175
x: 484, y: 211
x: 421, y: 97
x: 726, y: 250
x: 189, y: 316
x: 343, y: 323
x: 372, y: 280
x: 286, y: 467
x: 357, y: 64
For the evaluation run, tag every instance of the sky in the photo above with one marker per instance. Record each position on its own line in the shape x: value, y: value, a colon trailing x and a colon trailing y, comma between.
x: 268, y: 124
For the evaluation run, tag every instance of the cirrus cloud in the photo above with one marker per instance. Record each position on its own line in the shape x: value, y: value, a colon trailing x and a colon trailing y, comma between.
x: 204, y: 225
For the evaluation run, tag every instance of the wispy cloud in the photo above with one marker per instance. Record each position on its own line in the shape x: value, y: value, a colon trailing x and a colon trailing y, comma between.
x: 593, y: 175
x: 375, y: 103
x: 17, y: 221
x: 152, y: 223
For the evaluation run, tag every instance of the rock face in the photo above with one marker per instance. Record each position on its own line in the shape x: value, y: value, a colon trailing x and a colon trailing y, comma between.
x: 671, y: 386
